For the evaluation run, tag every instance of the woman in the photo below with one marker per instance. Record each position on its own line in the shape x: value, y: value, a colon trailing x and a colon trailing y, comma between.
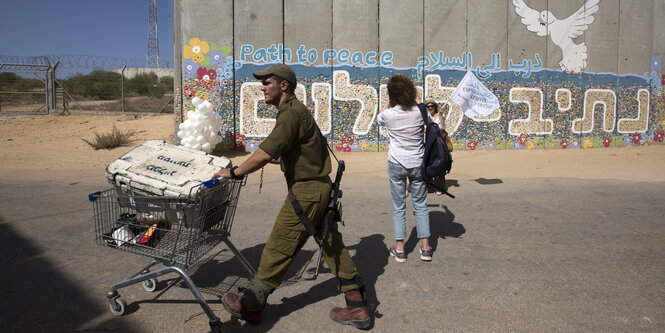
x: 438, y: 185
x: 404, y: 122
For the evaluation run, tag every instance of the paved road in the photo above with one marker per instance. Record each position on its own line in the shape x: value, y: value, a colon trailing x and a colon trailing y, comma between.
x: 514, y: 255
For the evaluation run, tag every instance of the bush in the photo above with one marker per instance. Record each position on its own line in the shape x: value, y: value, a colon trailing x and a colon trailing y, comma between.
x: 100, y: 84
x: 110, y: 140
x: 12, y: 82
x: 149, y: 84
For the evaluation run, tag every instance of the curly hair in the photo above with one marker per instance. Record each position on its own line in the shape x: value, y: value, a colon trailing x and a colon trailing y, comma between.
x: 401, y: 91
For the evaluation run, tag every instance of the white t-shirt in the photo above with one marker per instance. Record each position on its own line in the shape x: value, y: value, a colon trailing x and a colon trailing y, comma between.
x: 406, y: 132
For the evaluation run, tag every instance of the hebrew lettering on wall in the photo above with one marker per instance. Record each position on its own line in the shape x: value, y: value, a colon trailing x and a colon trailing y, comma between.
x: 539, y: 107
x: 594, y: 98
x: 534, y: 123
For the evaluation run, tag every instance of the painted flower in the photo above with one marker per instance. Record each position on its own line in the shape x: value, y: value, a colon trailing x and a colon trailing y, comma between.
x: 607, y: 141
x: 217, y: 58
x: 564, y: 143
x: 586, y: 143
x: 658, y: 136
x: 190, y: 68
x: 530, y: 145
x: 517, y: 146
x: 575, y: 145
x: 522, y: 139
x: 251, y: 147
x: 236, y: 141
x: 472, y: 144
x: 364, y: 146
x: 627, y: 141
x: 206, y: 74
x: 636, y: 138
x: 344, y: 145
x: 196, y: 50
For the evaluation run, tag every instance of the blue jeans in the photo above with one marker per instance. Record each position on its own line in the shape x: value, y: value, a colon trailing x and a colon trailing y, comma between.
x: 398, y: 177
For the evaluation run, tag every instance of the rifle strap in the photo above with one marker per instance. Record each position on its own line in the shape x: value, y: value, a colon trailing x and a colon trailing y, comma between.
x: 309, y: 226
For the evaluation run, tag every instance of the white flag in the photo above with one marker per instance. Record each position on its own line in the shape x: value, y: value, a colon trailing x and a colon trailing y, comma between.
x: 473, y: 97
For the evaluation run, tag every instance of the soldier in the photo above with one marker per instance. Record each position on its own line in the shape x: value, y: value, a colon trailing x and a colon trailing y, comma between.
x: 301, y: 149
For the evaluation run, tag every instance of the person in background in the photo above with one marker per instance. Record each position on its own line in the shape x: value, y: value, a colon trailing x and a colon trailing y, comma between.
x: 297, y: 142
x: 404, y: 122
x: 438, y: 184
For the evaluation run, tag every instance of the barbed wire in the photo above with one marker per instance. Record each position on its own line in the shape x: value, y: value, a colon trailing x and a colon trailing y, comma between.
x: 81, y: 61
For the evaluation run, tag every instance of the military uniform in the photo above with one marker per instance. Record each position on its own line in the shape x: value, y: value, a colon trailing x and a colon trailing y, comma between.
x: 297, y: 140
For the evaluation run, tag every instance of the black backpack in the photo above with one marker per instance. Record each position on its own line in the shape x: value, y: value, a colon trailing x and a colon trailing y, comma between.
x: 437, y: 160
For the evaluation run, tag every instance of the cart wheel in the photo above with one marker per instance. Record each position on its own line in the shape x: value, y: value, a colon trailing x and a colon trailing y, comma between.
x: 118, y: 308
x: 150, y: 285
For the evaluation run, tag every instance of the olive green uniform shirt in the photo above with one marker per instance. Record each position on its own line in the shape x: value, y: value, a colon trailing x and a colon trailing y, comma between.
x: 297, y: 140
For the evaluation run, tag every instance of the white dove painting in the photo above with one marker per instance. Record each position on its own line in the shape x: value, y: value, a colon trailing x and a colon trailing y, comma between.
x: 562, y: 32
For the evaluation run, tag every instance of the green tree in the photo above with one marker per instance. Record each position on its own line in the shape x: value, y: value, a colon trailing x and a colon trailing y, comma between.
x: 145, y: 84
x: 98, y: 84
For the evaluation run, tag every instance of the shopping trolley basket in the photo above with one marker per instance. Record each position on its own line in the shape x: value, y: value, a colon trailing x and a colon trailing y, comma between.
x: 175, y: 231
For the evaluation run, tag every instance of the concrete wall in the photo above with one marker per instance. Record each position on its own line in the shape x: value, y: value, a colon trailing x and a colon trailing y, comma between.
x: 132, y: 72
x: 557, y: 87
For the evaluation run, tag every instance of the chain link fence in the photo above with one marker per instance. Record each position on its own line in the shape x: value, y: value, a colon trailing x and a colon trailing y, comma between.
x: 37, y: 85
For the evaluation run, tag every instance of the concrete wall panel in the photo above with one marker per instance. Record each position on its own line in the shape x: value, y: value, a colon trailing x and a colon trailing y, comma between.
x: 557, y: 87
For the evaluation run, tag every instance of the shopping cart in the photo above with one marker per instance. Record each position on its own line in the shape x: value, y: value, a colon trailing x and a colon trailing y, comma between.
x: 175, y: 231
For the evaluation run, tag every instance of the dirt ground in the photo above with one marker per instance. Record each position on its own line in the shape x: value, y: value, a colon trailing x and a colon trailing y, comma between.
x: 39, y: 143
x: 536, y: 241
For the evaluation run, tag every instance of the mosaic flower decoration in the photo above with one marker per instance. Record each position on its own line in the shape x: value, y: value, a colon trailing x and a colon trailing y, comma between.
x: 587, y: 143
x: 190, y: 68
x: 564, y: 144
x: 472, y: 144
x: 636, y: 138
x: 345, y: 145
x: 530, y: 145
x: 490, y: 146
x: 607, y: 141
x: 196, y: 50
x: 522, y: 139
x: 204, y: 73
x: 575, y: 144
x: 658, y: 136
x: 517, y: 146
x: 236, y: 141
x: 627, y: 141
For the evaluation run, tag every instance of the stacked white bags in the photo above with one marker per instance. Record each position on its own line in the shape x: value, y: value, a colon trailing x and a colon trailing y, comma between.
x: 200, y: 130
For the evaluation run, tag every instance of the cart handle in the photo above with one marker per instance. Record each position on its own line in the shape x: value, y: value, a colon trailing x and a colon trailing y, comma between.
x: 210, y: 183
x: 92, y: 197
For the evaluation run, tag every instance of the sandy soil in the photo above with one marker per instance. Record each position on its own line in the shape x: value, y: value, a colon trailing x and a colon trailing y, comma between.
x: 49, y: 145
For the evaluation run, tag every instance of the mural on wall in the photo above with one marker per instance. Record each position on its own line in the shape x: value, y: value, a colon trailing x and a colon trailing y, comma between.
x: 562, y: 32
x: 562, y: 108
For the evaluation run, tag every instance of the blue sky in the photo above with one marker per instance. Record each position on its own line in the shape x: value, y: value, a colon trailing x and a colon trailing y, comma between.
x: 111, y: 28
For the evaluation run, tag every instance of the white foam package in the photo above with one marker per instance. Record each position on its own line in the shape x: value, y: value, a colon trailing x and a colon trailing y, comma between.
x: 159, y: 168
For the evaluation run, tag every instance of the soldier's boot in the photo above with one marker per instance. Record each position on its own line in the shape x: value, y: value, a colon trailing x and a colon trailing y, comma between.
x: 355, y: 313
x: 250, y: 305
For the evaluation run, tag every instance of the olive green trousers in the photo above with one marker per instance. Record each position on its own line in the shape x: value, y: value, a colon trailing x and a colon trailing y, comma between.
x: 289, y: 235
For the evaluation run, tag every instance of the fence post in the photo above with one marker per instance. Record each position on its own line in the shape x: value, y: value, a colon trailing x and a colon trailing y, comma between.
x: 50, y: 88
x: 122, y: 88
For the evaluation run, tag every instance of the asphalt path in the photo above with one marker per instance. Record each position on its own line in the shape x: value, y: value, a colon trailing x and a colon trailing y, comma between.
x: 510, y: 255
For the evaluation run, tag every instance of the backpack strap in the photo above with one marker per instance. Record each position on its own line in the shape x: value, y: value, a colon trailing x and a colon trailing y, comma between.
x: 423, y: 112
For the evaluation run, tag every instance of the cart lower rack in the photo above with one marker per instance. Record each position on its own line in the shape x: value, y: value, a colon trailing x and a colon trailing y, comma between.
x: 175, y: 231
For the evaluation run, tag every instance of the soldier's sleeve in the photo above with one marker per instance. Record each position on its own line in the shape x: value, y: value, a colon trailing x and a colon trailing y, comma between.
x: 283, y: 136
